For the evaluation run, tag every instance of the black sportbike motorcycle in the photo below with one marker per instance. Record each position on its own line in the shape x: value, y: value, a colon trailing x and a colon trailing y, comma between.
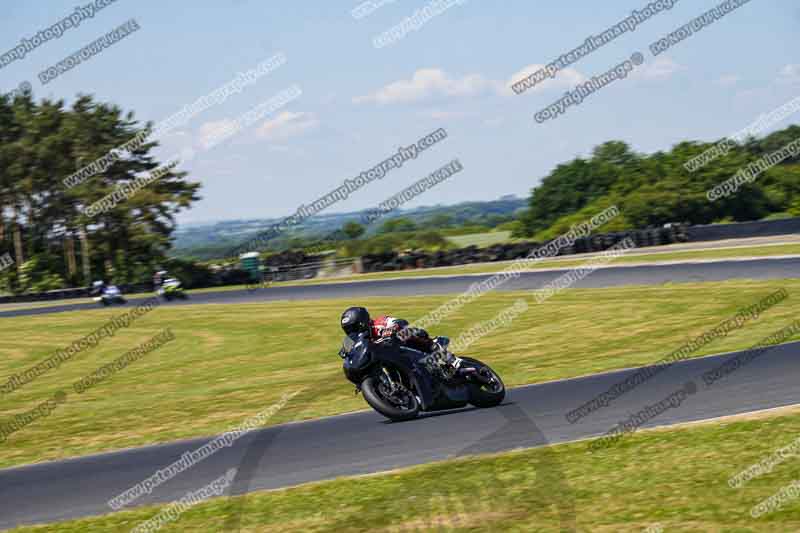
x: 400, y: 382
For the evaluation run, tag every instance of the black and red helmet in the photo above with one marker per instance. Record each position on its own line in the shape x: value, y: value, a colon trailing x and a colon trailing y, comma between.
x: 355, y: 320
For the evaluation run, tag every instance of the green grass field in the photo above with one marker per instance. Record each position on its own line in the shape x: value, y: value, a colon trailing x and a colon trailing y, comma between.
x: 229, y: 362
x: 675, y: 478
x: 481, y: 240
x: 488, y: 268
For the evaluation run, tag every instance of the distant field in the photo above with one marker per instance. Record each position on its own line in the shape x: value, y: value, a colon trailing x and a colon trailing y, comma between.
x: 481, y: 240
x: 670, y: 479
x: 643, y: 255
x: 228, y: 362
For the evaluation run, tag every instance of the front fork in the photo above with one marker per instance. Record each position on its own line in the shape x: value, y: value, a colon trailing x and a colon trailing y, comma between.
x: 388, y: 381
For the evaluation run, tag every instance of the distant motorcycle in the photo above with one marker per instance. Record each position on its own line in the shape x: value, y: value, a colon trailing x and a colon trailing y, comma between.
x: 110, y: 295
x: 400, y: 382
x: 171, y: 288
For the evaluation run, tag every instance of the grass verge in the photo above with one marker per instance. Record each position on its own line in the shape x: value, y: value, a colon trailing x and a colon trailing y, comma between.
x: 676, y: 478
x: 229, y: 362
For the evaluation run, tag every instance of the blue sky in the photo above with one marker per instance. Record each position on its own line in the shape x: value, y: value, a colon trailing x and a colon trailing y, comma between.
x: 359, y: 103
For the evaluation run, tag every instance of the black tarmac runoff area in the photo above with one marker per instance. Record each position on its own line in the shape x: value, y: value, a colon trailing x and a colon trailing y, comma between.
x: 365, y: 442
x: 657, y: 274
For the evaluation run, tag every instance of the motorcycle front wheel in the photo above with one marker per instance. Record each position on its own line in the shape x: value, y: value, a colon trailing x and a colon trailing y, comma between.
x: 485, y: 395
x: 395, y: 405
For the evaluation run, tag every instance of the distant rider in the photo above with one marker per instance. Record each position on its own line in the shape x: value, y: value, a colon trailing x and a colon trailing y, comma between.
x: 97, y: 288
x: 158, y: 279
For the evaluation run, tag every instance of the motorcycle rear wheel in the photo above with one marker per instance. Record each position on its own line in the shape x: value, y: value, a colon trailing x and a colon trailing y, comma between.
x: 376, y: 399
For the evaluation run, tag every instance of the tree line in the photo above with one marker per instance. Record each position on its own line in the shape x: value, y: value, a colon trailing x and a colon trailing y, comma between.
x: 655, y: 189
x: 43, y: 223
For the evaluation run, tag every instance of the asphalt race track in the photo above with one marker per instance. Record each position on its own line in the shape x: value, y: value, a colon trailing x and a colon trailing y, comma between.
x: 766, y: 268
x: 364, y: 442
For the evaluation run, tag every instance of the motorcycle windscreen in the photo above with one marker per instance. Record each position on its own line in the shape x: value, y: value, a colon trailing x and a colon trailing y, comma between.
x: 356, y: 351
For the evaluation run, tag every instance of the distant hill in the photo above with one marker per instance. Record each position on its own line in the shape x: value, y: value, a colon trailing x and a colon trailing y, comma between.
x: 213, y: 240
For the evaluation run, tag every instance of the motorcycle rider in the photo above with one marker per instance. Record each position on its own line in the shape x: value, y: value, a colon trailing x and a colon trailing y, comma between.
x: 158, y: 279
x: 356, y: 321
x: 97, y: 288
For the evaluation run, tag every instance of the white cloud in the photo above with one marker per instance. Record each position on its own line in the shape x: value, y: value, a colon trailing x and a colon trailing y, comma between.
x: 429, y: 83
x: 729, y: 80
x: 286, y: 125
x: 425, y: 84
x: 437, y: 114
x: 790, y: 74
x: 662, y: 68
x: 566, y: 78
x: 213, y: 131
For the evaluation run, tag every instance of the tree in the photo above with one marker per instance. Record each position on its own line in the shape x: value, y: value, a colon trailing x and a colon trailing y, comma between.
x: 654, y: 189
x: 441, y: 220
x: 397, y: 225
x: 353, y: 230
x: 41, y: 143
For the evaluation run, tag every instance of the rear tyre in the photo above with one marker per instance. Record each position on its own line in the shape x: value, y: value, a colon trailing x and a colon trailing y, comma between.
x: 490, y: 395
x: 378, y: 401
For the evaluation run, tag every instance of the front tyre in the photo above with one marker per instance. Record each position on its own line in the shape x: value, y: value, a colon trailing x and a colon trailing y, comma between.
x: 391, y: 406
x: 485, y: 395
